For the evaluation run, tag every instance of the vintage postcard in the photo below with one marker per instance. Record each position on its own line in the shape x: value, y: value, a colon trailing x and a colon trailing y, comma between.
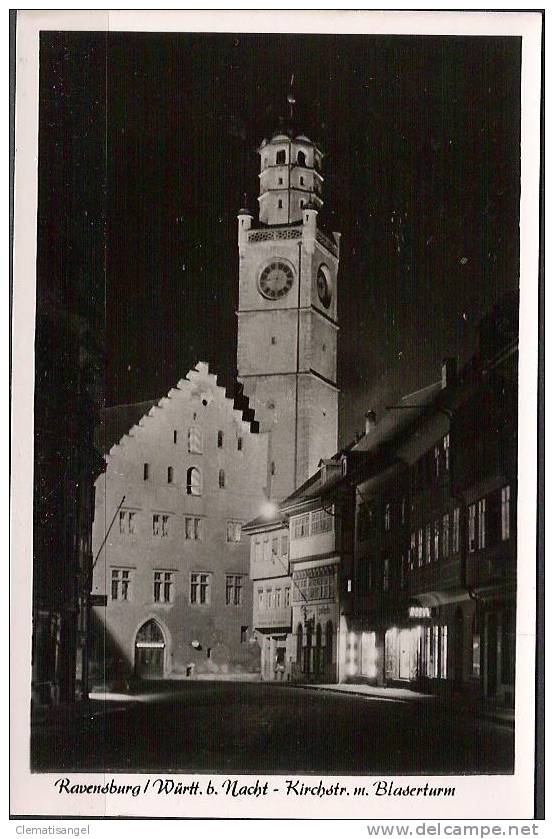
x: 274, y: 453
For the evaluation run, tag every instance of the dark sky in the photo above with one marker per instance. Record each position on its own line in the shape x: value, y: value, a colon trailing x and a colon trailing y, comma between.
x: 147, y: 150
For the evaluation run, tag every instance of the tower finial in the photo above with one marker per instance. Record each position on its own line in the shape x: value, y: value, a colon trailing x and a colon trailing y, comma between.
x: 290, y: 98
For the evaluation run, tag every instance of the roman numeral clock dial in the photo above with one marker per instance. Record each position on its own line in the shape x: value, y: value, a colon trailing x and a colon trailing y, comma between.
x: 276, y: 280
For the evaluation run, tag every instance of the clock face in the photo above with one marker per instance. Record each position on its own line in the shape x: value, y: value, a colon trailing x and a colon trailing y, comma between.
x: 324, y: 291
x: 276, y: 280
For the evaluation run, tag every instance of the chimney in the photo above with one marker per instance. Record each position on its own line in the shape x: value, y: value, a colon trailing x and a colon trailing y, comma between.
x: 448, y: 372
x: 370, y: 421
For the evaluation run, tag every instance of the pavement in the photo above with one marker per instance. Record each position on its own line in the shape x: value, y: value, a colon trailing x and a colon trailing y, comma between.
x: 100, y: 703
x: 458, y: 704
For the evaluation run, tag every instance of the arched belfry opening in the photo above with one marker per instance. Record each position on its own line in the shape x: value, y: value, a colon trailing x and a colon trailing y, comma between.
x: 150, y: 651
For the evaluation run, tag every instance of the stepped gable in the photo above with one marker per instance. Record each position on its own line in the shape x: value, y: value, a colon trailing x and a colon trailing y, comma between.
x: 123, y: 421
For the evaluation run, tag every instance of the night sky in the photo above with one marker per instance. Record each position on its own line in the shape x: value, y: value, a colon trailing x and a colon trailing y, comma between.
x: 147, y: 149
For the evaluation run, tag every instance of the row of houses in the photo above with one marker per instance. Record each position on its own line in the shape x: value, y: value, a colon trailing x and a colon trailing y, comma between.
x: 395, y: 563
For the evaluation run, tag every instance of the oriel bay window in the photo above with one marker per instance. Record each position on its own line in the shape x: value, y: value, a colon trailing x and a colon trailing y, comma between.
x: 315, y: 584
x: 310, y: 524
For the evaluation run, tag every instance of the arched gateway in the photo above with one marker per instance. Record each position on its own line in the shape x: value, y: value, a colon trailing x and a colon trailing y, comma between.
x: 149, y: 651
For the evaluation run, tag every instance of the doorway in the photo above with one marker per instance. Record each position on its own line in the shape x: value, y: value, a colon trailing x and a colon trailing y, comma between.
x: 149, y: 651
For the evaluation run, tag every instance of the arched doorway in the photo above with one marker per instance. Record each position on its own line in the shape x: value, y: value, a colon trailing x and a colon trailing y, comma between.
x: 149, y: 651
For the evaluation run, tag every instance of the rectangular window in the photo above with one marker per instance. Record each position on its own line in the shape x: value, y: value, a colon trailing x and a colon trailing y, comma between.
x: 456, y: 531
x: 403, y: 511
x: 126, y: 522
x: 155, y: 524
x: 243, y: 634
x: 505, y: 520
x: 121, y: 584
x: 386, y: 574
x: 146, y: 471
x: 446, y: 535
x: 481, y: 506
x: 193, y: 529
x: 233, y: 590
x: 260, y: 598
x: 277, y: 598
x: 287, y: 596
x: 234, y: 531
x: 387, y: 516
x: 471, y: 528
x: 175, y: 436
x: 301, y: 526
x: 239, y: 444
x: 270, y: 598
x: 200, y: 589
x: 420, y: 547
x: 412, y: 551
x: 285, y: 544
x: 163, y: 586
x: 446, y: 446
x: 476, y: 655
x: 258, y: 550
x: 436, y: 540
x: 194, y: 440
x: 437, y: 461
x: 427, y: 543
x: 274, y: 548
x: 220, y: 439
x: 170, y: 474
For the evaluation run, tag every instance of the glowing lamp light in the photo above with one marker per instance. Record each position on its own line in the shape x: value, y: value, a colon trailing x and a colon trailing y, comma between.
x: 195, y: 644
x: 269, y: 509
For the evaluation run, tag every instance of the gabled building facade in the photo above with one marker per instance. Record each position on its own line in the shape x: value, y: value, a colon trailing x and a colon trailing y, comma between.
x: 169, y: 555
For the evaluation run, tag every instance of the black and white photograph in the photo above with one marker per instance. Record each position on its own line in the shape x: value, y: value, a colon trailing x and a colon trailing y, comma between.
x: 277, y: 521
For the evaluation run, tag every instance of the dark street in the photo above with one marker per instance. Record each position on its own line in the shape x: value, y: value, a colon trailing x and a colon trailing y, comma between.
x: 244, y: 728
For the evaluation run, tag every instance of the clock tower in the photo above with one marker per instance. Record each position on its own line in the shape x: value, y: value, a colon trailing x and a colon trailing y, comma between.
x: 287, y: 317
